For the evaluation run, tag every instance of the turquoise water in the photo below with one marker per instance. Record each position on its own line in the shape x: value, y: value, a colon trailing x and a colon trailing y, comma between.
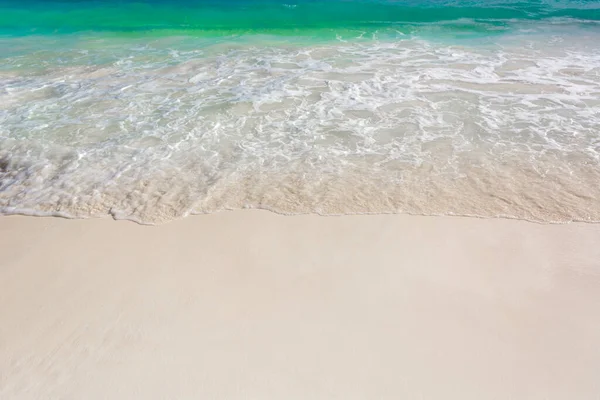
x: 198, y: 16
x: 154, y: 110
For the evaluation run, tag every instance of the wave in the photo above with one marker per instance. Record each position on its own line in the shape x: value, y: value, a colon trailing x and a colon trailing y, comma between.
x: 222, y: 17
x: 507, y: 128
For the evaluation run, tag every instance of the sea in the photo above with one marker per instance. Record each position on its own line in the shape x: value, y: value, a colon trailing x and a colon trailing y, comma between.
x: 153, y: 110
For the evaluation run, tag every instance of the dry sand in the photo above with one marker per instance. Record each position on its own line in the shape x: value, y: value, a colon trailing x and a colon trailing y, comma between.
x: 252, y: 305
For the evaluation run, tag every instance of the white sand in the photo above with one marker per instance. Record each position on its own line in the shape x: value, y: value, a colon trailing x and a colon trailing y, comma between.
x: 252, y: 305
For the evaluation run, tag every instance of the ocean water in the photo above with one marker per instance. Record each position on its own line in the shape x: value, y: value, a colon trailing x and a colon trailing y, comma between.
x: 152, y: 110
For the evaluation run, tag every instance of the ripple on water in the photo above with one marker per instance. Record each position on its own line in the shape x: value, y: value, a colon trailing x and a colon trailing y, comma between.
x: 333, y: 128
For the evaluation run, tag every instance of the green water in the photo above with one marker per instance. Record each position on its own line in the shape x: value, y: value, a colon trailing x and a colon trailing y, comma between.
x: 281, y: 17
x: 154, y: 110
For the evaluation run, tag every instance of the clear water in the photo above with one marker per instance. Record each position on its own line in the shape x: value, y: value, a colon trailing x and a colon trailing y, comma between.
x: 155, y: 110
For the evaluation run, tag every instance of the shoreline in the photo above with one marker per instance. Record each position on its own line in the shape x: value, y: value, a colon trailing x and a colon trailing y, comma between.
x: 111, y: 217
x: 252, y: 304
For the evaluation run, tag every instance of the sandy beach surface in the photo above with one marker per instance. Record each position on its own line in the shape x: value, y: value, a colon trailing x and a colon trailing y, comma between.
x: 254, y: 305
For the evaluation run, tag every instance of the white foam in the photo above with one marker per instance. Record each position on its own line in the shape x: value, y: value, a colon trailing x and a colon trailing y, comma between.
x: 508, y: 129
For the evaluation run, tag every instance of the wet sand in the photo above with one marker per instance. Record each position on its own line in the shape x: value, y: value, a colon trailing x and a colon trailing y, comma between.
x: 254, y: 305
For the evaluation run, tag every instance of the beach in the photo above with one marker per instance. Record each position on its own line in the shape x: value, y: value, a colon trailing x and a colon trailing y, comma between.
x: 300, y: 199
x: 254, y: 305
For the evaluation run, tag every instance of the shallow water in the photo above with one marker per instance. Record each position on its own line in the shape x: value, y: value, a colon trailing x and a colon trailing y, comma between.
x: 150, y: 111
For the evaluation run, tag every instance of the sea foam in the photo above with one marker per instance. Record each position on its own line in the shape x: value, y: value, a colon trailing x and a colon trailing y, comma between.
x: 152, y: 130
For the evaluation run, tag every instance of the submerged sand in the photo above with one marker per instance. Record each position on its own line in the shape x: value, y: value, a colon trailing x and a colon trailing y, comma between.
x: 253, y: 305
